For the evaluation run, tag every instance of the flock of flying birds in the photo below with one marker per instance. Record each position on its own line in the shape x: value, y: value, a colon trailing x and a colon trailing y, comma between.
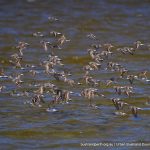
x: 98, y: 53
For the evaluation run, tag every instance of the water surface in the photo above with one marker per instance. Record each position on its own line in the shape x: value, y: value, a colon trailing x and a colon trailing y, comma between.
x: 111, y: 21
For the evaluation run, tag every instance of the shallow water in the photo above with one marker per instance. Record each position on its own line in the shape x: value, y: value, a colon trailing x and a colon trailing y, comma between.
x: 111, y: 21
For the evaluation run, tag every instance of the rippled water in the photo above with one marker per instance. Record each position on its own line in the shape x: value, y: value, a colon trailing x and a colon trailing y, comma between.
x: 111, y: 21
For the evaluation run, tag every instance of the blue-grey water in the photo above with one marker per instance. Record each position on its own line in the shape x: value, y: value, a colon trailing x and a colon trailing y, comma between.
x: 121, y: 23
